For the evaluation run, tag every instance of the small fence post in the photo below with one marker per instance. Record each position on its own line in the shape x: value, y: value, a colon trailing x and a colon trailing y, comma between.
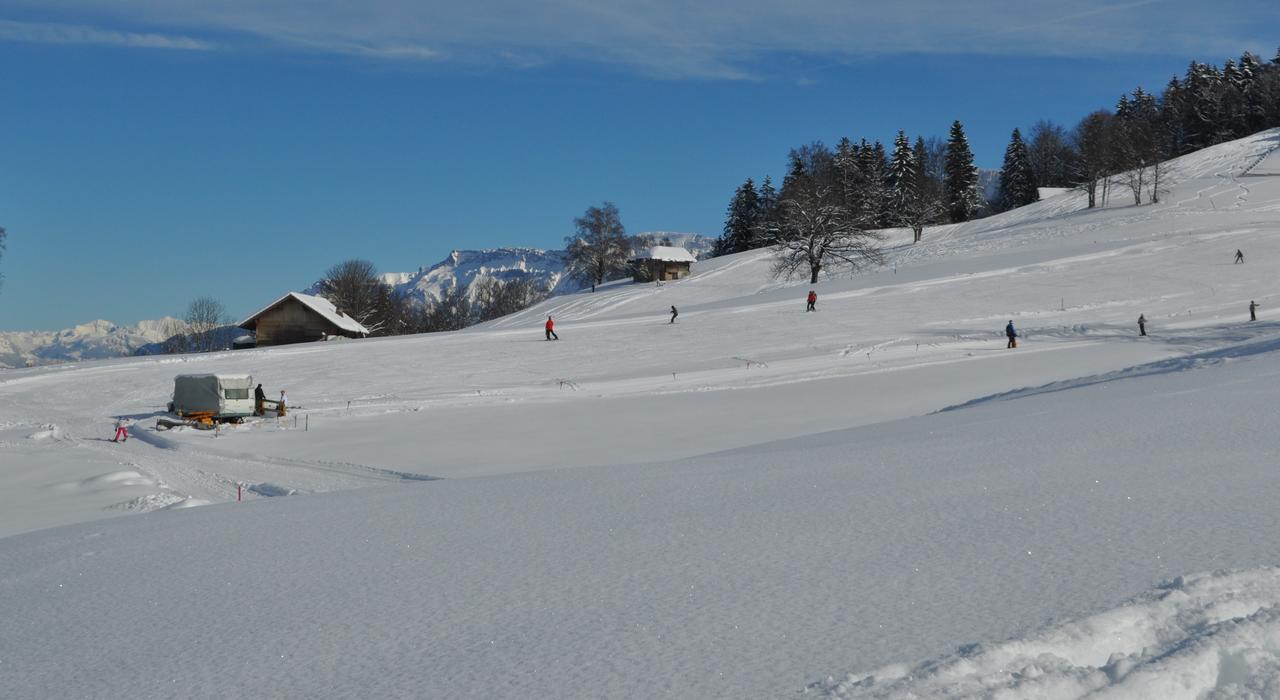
x: 308, y: 424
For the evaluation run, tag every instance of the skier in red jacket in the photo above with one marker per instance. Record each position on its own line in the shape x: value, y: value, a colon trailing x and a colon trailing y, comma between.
x: 551, y: 329
x: 813, y: 299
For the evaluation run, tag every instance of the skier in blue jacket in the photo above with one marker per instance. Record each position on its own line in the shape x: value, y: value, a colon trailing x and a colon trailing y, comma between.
x: 1013, y: 335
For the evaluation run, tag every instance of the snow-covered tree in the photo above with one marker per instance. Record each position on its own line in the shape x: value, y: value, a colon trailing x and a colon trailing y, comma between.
x: 599, y: 248
x: 960, y: 185
x: 1017, y: 179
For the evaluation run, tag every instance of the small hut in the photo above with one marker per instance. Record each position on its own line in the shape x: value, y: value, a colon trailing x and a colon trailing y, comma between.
x: 661, y: 263
x: 301, y: 318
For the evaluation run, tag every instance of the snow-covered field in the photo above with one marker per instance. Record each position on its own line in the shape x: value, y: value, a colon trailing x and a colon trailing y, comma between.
x: 754, y: 501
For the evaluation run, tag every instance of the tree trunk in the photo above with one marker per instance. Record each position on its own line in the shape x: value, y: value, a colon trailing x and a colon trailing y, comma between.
x: 813, y: 272
x: 919, y: 233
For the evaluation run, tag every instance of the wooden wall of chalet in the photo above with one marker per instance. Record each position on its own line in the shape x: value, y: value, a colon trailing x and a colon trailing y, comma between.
x: 650, y: 270
x: 291, y: 322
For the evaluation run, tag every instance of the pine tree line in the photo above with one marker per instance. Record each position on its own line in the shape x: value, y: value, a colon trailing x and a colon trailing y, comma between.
x: 936, y: 182
x: 917, y: 185
x: 1126, y: 147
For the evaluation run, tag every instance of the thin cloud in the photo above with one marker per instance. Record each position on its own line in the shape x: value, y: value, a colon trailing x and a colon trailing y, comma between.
x: 51, y: 33
x: 716, y: 39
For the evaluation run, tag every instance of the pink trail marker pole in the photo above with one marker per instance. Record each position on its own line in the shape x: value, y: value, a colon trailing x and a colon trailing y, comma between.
x: 239, y: 492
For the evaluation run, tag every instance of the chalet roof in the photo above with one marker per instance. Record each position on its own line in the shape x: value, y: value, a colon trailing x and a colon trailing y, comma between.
x: 320, y: 305
x: 667, y: 253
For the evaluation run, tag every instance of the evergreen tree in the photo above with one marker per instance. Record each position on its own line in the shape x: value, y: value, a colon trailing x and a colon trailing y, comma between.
x: 872, y: 191
x: 767, y: 218
x: 1017, y: 181
x: 960, y: 186
x: 904, y: 179
x: 927, y: 206
x: 848, y: 174
x: 740, y: 221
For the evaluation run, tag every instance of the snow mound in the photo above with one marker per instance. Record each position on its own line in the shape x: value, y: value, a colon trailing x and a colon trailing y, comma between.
x: 1209, y: 635
x: 48, y: 431
x: 151, y: 502
x: 125, y: 477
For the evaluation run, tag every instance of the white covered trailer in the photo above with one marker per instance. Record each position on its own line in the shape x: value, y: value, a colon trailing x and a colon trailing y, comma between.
x: 226, y: 396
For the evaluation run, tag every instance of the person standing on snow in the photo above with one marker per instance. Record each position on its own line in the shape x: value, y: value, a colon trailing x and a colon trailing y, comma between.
x: 813, y: 299
x: 1012, y: 334
x: 1142, y: 324
x: 1239, y: 257
x: 674, y: 313
x: 282, y: 407
x: 551, y: 329
x: 259, y: 401
x: 122, y: 432
x: 1253, y: 310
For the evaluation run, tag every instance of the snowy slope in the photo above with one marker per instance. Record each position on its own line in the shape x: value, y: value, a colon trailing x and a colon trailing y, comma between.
x: 753, y: 501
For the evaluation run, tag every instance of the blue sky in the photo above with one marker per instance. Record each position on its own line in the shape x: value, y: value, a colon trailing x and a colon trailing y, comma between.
x: 150, y: 153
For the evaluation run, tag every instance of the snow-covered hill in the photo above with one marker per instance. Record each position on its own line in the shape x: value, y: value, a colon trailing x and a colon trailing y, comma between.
x: 88, y: 341
x: 874, y: 500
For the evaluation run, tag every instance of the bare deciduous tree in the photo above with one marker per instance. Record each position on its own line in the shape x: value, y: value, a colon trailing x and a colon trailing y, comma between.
x: 493, y: 298
x: 1093, y: 144
x: 815, y: 232
x: 353, y: 286
x: 452, y: 312
x: 205, y: 315
x: 1052, y: 158
x: 175, y: 337
x: 599, y: 247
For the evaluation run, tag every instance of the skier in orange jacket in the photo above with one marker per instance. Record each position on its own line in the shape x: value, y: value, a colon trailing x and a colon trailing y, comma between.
x: 551, y: 329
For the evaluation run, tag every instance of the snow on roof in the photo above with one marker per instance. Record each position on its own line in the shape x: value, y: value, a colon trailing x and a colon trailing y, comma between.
x: 320, y: 305
x: 668, y: 254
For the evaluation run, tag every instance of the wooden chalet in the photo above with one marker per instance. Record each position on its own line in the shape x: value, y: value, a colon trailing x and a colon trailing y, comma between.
x: 301, y: 318
x: 661, y: 263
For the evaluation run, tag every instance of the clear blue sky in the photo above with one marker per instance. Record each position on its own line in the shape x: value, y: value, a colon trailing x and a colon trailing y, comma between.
x: 150, y: 154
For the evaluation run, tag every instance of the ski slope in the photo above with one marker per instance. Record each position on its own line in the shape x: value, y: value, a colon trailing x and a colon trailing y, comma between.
x: 874, y: 500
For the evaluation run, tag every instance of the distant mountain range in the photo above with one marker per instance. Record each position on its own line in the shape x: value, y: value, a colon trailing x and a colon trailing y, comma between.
x: 462, y: 268
x: 104, y: 339
x: 88, y: 341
